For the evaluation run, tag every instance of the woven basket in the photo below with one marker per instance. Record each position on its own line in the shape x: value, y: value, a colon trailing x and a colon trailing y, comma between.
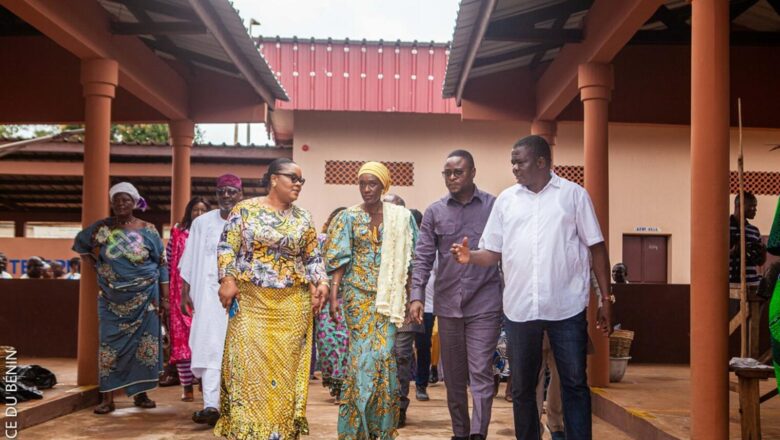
x: 620, y: 343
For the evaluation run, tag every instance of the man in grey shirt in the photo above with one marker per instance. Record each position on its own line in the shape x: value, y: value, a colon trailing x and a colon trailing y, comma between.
x: 467, y: 299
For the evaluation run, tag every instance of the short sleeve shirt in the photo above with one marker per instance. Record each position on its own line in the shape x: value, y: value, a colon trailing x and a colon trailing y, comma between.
x: 543, y: 239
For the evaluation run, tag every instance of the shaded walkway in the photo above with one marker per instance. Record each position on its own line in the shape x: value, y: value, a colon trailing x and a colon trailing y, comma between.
x: 171, y: 420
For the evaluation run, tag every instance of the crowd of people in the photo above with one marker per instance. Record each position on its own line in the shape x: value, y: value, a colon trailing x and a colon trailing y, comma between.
x: 251, y: 292
x: 37, y: 267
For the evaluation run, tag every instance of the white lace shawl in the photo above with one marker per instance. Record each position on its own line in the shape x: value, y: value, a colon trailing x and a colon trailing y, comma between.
x: 396, y: 255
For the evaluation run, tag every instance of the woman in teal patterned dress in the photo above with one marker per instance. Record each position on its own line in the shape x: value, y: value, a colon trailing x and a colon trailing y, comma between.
x: 129, y: 258
x: 354, y: 253
x: 332, y: 337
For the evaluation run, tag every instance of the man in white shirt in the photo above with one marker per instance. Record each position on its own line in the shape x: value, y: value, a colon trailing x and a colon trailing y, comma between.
x: 198, y: 267
x: 543, y: 230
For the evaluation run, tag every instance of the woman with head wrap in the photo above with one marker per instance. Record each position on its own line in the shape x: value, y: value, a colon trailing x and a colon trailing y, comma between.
x: 271, y: 278
x: 179, y: 324
x: 129, y: 259
x: 369, y: 253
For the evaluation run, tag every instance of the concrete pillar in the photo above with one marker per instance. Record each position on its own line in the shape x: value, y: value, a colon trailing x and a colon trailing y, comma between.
x: 99, y: 78
x: 548, y: 130
x: 182, y: 134
x: 595, y: 82
x: 19, y: 228
x: 709, y: 219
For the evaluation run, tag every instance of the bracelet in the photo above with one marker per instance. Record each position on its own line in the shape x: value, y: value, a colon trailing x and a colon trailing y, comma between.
x: 226, y: 279
x: 324, y: 283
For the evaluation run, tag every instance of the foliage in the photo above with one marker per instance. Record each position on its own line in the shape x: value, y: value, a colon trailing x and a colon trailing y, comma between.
x: 9, y: 131
x: 131, y: 133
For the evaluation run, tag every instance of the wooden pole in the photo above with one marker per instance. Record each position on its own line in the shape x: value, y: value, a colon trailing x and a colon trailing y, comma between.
x: 743, y: 309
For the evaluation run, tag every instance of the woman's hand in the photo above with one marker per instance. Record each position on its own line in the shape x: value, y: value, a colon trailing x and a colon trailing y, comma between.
x: 163, y: 308
x: 333, y: 307
x: 228, y: 290
x: 323, y: 293
x: 316, y: 300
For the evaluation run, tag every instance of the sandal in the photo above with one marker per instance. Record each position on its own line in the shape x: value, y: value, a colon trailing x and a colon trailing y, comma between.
x: 143, y: 401
x: 104, y: 408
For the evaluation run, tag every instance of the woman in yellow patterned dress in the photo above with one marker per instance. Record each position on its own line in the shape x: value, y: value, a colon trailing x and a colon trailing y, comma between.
x: 369, y: 252
x: 271, y: 278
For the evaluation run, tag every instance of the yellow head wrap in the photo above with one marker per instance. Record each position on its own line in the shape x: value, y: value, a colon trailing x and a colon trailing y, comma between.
x: 378, y: 170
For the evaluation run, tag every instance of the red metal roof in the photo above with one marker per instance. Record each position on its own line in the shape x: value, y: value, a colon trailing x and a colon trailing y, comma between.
x: 359, y: 76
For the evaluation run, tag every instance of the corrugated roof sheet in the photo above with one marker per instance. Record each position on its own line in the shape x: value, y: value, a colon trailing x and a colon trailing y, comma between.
x: 496, y: 56
x: 205, y: 46
x: 376, y: 76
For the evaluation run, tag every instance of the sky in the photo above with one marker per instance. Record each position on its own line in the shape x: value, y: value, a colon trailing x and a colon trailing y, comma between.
x: 422, y: 20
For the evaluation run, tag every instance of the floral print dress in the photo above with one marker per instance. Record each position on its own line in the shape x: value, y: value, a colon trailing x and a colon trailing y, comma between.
x: 332, y: 345
x: 130, y: 267
x: 370, y: 397
x: 265, y: 366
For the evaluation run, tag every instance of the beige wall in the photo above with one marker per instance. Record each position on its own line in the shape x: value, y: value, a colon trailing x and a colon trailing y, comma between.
x: 649, y: 166
x: 423, y: 139
x: 20, y: 249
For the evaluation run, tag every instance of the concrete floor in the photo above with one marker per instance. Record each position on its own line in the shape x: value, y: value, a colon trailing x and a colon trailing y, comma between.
x: 661, y: 394
x: 171, y: 420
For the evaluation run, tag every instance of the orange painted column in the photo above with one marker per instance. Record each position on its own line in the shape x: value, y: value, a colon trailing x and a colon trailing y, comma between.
x: 99, y: 78
x: 595, y: 83
x: 546, y: 129
x: 182, y: 134
x: 709, y: 219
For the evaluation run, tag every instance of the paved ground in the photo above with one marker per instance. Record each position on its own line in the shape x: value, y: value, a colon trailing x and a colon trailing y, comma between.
x: 171, y: 420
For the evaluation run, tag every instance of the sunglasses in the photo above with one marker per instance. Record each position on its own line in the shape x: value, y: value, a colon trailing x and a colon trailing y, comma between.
x: 456, y: 172
x: 228, y: 191
x: 294, y: 178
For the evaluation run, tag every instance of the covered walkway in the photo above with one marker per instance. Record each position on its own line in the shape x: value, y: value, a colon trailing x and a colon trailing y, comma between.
x: 171, y: 419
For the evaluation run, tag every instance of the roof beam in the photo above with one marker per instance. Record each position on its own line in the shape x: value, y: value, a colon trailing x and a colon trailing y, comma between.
x: 531, y: 18
x: 672, y: 19
x: 157, y: 7
x: 683, y: 38
x: 168, y: 28
x: 85, y: 32
x: 609, y: 25
x: 210, y: 18
x: 185, y: 55
x: 519, y: 53
x: 534, y: 35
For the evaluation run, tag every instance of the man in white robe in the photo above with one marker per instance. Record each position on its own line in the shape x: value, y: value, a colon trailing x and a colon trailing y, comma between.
x: 198, y: 267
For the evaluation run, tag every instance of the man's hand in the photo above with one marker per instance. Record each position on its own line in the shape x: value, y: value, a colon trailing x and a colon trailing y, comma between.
x: 416, y: 312
x: 461, y: 251
x: 604, y: 318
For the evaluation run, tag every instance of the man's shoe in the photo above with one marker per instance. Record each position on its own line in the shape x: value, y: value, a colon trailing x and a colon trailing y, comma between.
x: 476, y: 437
x: 455, y: 437
x: 558, y: 435
x: 434, y: 376
x: 402, y: 418
x: 208, y: 415
x: 422, y: 394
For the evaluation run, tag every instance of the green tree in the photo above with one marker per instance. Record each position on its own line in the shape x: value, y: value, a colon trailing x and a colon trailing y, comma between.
x: 9, y: 131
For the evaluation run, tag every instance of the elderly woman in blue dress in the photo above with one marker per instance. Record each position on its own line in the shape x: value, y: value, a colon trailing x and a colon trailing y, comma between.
x: 129, y: 258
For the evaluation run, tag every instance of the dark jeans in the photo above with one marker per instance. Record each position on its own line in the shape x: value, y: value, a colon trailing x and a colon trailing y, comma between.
x: 423, y: 343
x: 569, y: 342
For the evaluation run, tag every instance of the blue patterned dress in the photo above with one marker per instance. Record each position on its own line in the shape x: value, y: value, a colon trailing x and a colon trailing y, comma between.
x: 130, y: 267
x: 369, y: 395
